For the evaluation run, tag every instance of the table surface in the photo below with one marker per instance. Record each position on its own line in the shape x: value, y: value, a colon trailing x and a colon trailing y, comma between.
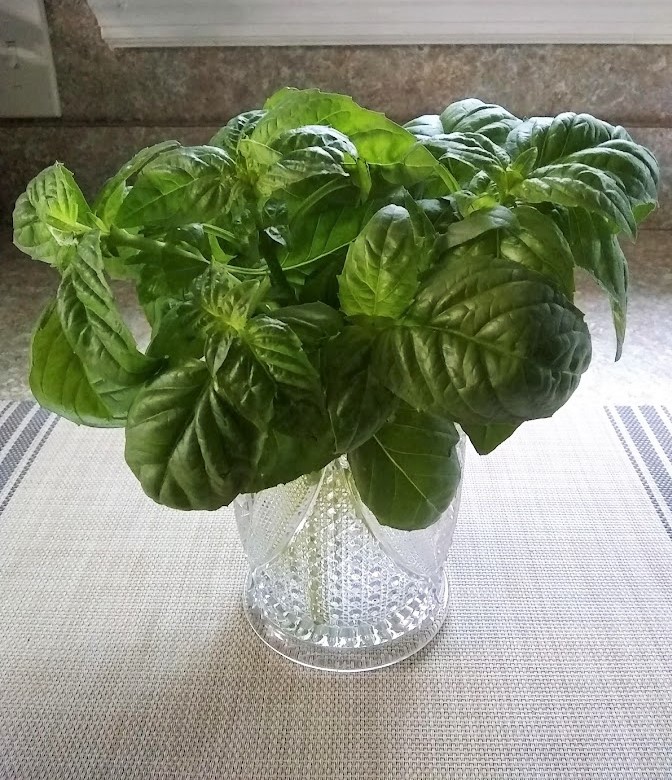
x: 124, y: 652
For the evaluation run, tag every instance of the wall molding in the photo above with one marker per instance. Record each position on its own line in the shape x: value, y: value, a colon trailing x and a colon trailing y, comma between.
x: 143, y: 23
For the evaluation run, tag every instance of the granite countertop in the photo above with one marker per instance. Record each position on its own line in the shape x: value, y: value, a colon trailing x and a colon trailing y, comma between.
x: 644, y: 373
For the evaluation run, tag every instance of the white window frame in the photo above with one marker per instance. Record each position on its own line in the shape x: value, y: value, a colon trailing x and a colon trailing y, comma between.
x: 130, y: 23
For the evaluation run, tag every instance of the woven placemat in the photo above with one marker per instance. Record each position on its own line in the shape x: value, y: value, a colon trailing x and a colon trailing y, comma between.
x: 124, y: 652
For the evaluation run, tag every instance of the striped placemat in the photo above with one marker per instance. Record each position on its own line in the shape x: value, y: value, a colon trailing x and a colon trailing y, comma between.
x: 646, y: 435
x: 644, y: 431
x: 124, y: 652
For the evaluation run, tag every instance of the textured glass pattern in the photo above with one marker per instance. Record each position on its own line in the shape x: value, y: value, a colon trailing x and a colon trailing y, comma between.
x: 328, y: 585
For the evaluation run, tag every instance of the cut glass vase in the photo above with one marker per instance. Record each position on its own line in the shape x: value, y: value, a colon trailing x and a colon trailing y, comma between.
x: 329, y: 586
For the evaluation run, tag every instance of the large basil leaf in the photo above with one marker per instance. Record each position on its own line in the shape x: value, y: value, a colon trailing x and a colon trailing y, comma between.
x: 357, y: 402
x: 475, y: 116
x: 178, y: 333
x: 580, y: 186
x: 96, y: 331
x: 486, y: 340
x: 58, y: 378
x: 377, y: 139
x: 307, y: 154
x: 185, y: 444
x: 235, y: 130
x: 539, y: 244
x: 554, y: 138
x: 313, y: 323
x: 475, y: 225
x: 241, y: 379
x: 164, y: 277
x: 530, y: 238
x: 408, y: 472
x: 486, y: 438
x: 215, y: 304
x: 321, y: 283
x: 299, y: 403
x: 473, y: 152
x: 631, y: 165
x: 285, y: 458
x: 183, y: 185
x: 580, y: 139
x: 320, y: 231
x: 596, y: 249
x: 380, y: 274
x: 425, y: 126
x: 115, y: 189
x: 51, y: 216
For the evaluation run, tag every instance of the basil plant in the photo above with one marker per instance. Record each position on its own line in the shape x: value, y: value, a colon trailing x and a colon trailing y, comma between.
x: 321, y: 281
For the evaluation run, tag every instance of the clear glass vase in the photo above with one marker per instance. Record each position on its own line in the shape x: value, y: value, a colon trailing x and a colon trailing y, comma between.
x: 329, y: 587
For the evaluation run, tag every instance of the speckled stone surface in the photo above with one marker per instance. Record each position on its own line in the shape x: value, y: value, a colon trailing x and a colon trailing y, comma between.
x: 630, y: 84
x: 116, y: 101
x: 643, y: 374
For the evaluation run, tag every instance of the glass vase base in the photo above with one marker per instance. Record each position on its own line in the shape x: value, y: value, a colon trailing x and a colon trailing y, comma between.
x: 335, y: 650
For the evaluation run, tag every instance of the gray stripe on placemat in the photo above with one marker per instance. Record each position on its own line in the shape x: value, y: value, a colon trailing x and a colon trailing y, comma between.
x: 13, y: 421
x: 660, y: 428
x: 639, y: 440
x: 12, y: 459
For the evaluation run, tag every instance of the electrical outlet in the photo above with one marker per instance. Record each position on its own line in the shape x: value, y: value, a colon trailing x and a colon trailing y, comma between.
x: 27, y: 77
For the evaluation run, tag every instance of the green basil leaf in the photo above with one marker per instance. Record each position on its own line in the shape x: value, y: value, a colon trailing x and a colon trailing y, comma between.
x: 313, y: 323
x: 186, y: 446
x: 357, y: 402
x: 178, y: 333
x: 533, y: 240
x: 257, y: 157
x: 299, y: 403
x: 555, y: 138
x: 115, y: 189
x: 486, y: 340
x: 96, y: 332
x: 475, y: 116
x: 296, y: 174
x: 409, y: 471
x: 539, y: 244
x: 377, y: 139
x: 579, y: 186
x: 226, y: 302
x: 184, y: 185
x: 596, y: 249
x: 524, y: 163
x: 235, y: 130
x: 279, y: 349
x: 323, y: 230
x: 487, y: 438
x: 51, y: 216
x: 285, y: 458
x: 441, y: 212
x: 631, y: 165
x: 241, y: 380
x: 475, y: 225
x: 58, y: 378
x: 321, y: 284
x: 473, y: 151
x: 380, y: 274
x: 423, y: 229
x: 580, y: 139
x: 164, y: 277
x: 425, y: 126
